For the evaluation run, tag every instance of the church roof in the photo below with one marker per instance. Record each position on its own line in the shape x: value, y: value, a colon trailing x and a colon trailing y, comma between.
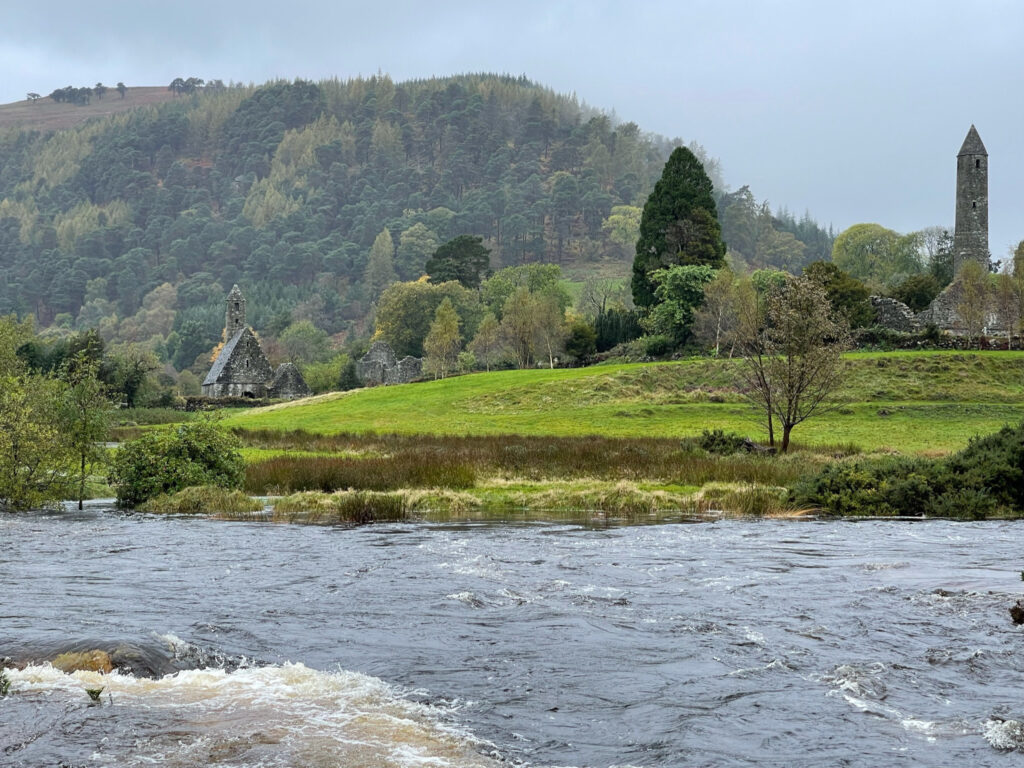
x: 972, y: 144
x: 225, y: 355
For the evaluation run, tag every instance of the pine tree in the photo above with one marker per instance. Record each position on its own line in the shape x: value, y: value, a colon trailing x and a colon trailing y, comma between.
x: 679, y: 225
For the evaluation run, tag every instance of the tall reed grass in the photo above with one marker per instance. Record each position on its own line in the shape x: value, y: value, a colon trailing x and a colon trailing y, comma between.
x: 433, y: 461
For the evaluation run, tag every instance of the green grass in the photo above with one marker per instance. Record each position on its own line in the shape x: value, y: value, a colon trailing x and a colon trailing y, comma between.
x: 926, y: 402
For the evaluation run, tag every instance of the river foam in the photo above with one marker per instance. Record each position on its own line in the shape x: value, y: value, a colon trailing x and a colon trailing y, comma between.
x: 278, y: 715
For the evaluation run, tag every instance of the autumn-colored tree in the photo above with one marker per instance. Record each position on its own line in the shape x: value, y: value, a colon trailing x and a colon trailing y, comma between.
x: 486, y: 345
x: 1006, y: 303
x: 518, y: 325
x: 443, y: 341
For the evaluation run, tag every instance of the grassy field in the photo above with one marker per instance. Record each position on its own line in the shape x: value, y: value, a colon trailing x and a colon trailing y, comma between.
x: 920, y: 402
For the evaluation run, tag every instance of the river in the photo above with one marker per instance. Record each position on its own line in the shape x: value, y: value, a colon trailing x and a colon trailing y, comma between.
x: 729, y: 643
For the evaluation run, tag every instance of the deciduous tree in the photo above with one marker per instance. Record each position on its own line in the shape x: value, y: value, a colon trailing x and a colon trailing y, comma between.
x: 486, y: 345
x: 443, y: 341
x: 793, y: 344
x: 85, y: 415
x: 973, y: 294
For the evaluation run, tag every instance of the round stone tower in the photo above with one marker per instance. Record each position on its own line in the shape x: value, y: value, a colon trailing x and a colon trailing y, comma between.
x: 235, y: 320
x: 970, y: 238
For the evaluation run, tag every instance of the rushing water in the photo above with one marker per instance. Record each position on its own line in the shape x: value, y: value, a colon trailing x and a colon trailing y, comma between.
x: 730, y: 643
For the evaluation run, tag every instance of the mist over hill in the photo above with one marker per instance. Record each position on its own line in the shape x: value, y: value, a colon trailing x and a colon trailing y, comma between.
x: 137, y: 219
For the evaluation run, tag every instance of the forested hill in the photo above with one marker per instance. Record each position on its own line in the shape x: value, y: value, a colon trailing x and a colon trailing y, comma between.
x: 137, y: 222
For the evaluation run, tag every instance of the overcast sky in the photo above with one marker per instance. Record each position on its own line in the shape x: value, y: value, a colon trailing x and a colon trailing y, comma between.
x: 855, y: 113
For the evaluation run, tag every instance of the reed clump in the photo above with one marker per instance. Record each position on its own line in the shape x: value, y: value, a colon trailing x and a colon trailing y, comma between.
x: 201, y: 500
x: 353, y: 507
x: 745, y: 499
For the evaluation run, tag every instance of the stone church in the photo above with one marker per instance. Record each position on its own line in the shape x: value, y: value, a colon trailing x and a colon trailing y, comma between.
x: 242, y: 370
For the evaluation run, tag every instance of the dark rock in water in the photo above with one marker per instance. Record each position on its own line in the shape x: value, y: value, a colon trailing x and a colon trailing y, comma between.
x: 1017, y: 612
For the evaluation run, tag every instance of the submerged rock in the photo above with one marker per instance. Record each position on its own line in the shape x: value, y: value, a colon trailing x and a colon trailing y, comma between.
x: 84, y: 661
x: 1017, y: 612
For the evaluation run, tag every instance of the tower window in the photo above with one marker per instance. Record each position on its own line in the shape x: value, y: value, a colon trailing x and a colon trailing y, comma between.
x: 974, y: 204
x: 236, y: 306
x: 977, y: 163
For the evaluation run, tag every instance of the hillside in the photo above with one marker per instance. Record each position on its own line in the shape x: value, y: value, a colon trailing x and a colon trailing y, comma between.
x: 923, y: 402
x: 46, y: 115
x: 138, y: 222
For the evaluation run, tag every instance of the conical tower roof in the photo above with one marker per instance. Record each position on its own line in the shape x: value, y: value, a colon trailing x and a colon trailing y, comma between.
x: 236, y: 292
x: 972, y: 144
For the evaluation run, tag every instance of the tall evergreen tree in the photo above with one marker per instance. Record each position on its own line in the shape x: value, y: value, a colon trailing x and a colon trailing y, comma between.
x: 679, y: 225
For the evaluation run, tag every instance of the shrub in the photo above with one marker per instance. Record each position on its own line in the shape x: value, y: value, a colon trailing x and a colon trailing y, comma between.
x: 167, y: 460
x: 984, y: 479
x: 721, y: 443
x: 658, y: 346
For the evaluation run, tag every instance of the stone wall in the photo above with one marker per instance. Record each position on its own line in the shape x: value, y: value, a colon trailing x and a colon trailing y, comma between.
x: 288, y: 383
x: 381, y: 366
x: 893, y: 314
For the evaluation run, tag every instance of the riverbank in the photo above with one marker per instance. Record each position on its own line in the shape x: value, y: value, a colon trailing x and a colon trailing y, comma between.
x: 442, y: 452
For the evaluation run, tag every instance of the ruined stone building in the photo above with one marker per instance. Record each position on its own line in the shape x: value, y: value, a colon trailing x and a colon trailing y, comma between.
x: 380, y: 365
x: 241, y: 369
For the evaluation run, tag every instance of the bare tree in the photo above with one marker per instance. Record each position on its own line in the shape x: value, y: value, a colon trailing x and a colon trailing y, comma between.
x: 599, y: 294
x: 793, y: 357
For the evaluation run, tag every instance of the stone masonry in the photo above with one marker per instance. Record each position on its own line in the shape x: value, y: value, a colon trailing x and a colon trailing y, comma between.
x: 241, y: 369
x: 380, y: 365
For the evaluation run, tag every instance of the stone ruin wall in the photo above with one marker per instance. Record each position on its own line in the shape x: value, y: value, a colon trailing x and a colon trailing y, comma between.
x: 380, y: 366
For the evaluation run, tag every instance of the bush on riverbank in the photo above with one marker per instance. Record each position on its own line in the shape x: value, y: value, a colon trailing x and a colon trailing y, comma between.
x: 985, y: 479
x: 202, y: 499
x: 167, y: 460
